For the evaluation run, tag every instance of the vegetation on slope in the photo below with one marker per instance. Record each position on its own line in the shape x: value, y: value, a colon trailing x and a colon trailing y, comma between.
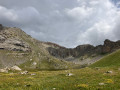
x: 82, y: 79
x: 37, y: 58
x: 109, y: 60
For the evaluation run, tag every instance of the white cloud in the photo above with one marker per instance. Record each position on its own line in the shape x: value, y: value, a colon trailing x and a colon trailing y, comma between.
x: 18, y: 16
x: 7, y: 14
x: 79, y: 13
x: 98, y: 19
x: 66, y: 22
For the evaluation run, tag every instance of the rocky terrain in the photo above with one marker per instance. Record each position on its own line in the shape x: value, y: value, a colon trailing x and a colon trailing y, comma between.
x: 84, y: 51
x: 18, y: 48
x: 10, y: 41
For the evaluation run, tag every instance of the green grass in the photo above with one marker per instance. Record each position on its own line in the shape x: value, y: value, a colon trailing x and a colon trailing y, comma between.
x: 109, y: 60
x: 83, y: 79
x: 38, y: 54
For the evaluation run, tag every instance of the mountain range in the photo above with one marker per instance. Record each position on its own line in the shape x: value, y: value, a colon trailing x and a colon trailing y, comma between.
x: 18, y: 48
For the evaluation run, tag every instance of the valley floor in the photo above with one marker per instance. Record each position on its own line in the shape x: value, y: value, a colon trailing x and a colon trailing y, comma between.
x: 107, y: 78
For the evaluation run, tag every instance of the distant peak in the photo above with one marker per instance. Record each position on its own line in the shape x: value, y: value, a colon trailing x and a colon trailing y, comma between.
x: 1, y: 26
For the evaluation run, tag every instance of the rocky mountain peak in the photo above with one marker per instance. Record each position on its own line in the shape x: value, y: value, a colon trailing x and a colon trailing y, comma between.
x: 10, y: 40
x: 1, y: 26
x: 83, y: 50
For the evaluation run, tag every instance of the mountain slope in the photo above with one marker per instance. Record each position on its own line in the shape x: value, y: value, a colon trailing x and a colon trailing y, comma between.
x: 112, y: 59
x: 85, y: 54
x: 18, y: 48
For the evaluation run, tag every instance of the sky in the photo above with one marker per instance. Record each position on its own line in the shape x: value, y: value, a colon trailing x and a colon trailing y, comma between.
x: 66, y: 22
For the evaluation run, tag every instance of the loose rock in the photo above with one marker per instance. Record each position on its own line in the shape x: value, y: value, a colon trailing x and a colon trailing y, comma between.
x: 16, y: 68
x: 24, y: 72
x: 101, y: 84
x: 69, y: 74
x: 33, y: 74
x: 4, y: 70
x: 109, y: 72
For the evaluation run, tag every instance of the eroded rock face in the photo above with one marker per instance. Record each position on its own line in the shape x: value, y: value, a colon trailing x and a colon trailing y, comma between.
x: 14, y: 44
x: 9, y: 41
x: 75, y: 52
x: 82, y: 50
x: 110, y: 46
x: 1, y: 27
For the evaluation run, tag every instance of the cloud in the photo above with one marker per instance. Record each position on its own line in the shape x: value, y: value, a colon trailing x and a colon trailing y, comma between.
x: 98, y: 20
x: 22, y: 16
x: 66, y: 22
x: 7, y: 14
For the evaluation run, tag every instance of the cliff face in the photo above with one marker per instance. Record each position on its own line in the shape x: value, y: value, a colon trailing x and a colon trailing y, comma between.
x: 110, y: 46
x: 10, y: 40
x: 18, y: 48
x: 82, y: 50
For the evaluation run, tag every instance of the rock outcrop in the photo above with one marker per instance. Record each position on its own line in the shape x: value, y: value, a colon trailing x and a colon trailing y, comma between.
x: 1, y: 27
x: 9, y: 40
x: 110, y: 46
x: 18, y: 48
x: 81, y: 50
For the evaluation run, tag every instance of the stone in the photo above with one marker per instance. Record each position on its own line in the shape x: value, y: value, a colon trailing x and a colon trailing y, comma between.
x: 28, y: 85
x: 16, y: 68
x: 34, y: 63
x: 33, y: 74
x: 54, y: 88
x: 3, y: 70
x: 109, y: 72
x: 101, y: 84
x: 24, y: 72
x: 30, y: 59
x: 69, y: 74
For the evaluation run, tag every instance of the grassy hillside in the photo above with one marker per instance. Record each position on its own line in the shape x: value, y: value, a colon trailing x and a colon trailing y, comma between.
x: 109, y: 60
x: 82, y: 79
x: 37, y: 58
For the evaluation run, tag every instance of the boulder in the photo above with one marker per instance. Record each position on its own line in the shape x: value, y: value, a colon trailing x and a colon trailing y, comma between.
x: 109, y: 72
x: 24, y: 72
x: 34, y: 63
x: 54, y: 88
x: 101, y: 84
x: 3, y: 70
x: 69, y: 74
x: 16, y: 68
x: 33, y: 74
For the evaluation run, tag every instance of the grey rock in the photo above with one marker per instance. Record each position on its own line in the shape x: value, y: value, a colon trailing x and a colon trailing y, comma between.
x: 69, y: 74
x: 33, y: 74
x: 24, y: 72
x: 101, y: 84
x: 3, y: 70
x: 81, y: 50
x: 109, y: 72
x: 16, y: 68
